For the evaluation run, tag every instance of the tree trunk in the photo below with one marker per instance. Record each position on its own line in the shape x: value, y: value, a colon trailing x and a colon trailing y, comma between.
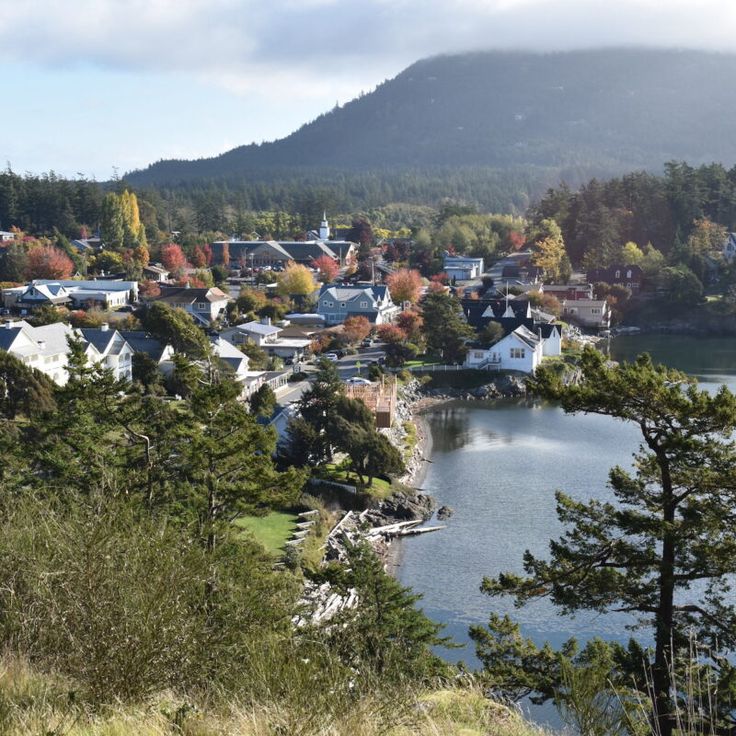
x: 661, y: 675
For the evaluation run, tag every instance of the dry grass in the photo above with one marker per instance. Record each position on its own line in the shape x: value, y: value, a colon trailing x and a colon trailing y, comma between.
x: 41, y: 705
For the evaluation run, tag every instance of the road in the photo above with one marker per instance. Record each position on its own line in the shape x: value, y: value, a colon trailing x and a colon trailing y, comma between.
x: 350, y: 365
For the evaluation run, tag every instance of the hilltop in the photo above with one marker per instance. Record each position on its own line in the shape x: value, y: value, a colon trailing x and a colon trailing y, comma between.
x: 574, y: 113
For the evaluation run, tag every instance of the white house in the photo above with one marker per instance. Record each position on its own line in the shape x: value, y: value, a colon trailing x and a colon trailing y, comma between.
x: 6, y: 237
x: 461, y: 268
x: 337, y: 303
x: 109, y: 349
x: 161, y: 353
x: 72, y: 293
x: 266, y: 336
x: 587, y: 312
x: 521, y: 350
x: 44, y: 348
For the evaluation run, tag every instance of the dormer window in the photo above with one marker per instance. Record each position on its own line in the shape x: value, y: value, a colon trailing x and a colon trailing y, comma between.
x: 342, y: 305
x: 628, y: 274
x: 618, y: 274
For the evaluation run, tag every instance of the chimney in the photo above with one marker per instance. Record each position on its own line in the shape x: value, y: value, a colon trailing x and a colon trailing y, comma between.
x: 42, y: 344
x: 266, y: 321
x: 104, y: 327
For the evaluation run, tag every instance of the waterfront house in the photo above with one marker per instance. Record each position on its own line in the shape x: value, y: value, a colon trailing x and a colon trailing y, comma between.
x: 521, y: 350
x: 571, y: 292
x: 336, y: 303
x: 587, y: 312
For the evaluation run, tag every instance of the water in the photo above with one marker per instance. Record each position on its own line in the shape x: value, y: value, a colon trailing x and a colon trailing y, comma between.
x: 498, y: 466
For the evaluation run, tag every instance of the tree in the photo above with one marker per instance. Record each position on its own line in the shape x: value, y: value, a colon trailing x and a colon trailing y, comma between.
x: 199, y: 260
x: 405, y: 285
x: 173, y: 258
x: 682, y: 285
x: 491, y: 334
x: 112, y: 224
x: 296, y: 281
x: 145, y: 371
x: 631, y: 254
x: 549, y: 251
x: 176, y: 328
x: 328, y: 268
x: 317, y: 407
x: 263, y: 401
x: 356, y: 329
x: 707, y: 237
x: 670, y: 525
x: 23, y: 390
x: 445, y: 328
x: 411, y: 322
x: 546, y: 302
x: 47, y: 262
x: 396, y: 346
x: 14, y: 262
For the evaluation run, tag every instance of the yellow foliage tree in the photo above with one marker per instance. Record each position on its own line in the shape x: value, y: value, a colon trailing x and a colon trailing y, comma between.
x: 548, y: 255
x: 296, y: 280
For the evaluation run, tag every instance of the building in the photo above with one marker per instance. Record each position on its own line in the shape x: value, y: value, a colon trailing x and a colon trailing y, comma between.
x: 267, y: 337
x: 6, y: 236
x: 44, y: 348
x: 587, y: 312
x: 521, y: 350
x: 109, y: 349
x: 629, y: 276
x: 47, y: 349
x: 380, y: 397
x: 461, y: 268
x: 154, y: 272
x: 161, y: 354
x: 71, y: 293
x: 571, y: 292
x: 205, y: 305
x: 336, y: 303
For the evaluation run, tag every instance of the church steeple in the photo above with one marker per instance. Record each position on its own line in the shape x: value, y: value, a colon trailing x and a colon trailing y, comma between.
x: 324, y: 228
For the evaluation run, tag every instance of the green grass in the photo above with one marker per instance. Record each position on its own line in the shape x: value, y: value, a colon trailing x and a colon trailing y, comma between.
x: 422, y: 360
x: 379, y: 488
x: 272, y: 531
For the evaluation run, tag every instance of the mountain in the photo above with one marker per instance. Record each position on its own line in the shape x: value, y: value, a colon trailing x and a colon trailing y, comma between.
x: 604, y: 111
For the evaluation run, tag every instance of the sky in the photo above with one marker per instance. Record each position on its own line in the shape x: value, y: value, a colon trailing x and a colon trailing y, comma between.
x: 95, y: 87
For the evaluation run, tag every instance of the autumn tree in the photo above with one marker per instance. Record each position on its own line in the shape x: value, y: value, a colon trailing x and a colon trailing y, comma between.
x: 405, y: 285
x: 668, y: 527
x: 356, y: 328
x: 296, y: 281
x: 397, y: 347
x: 173, y: 258
x: 199, y: 260
x: 328, y: 268
x: 411, y: 322
x: 47, y: 262
x: 548, y: 250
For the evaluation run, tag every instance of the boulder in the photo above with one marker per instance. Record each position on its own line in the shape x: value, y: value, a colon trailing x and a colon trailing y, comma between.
x: 444, y: 512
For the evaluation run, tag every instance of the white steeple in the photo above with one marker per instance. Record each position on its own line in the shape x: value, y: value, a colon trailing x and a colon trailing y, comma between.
x: 324, y: 228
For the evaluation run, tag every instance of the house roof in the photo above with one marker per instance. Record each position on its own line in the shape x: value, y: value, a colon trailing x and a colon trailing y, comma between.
x: 350, y: 293
x: 155, y: 269
x: 526, y: 336
x: 230, y: 354
x: 306, y: 250
x: 188, y: 295
x: 258, y: 328
x: 142, y: 342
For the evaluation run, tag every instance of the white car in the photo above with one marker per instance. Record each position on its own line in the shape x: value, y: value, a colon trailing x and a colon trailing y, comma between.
x: 357, y: 380
x: 331, y: 357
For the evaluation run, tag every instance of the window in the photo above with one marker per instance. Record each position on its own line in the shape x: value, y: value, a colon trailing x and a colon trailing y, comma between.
x: 478, y: 354
x: 618, y: 274
x: 342, y: 305
x: 201, y: 305
x: 364, y: 305
x: 518, y: 353
x: 595, y: 311
x: 628, y: 274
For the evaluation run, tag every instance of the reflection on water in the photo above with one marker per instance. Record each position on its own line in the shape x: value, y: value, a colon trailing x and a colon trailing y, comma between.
x: 498, y: 466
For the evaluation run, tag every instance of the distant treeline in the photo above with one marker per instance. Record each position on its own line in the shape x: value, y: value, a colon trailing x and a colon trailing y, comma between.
x: 662, y: 210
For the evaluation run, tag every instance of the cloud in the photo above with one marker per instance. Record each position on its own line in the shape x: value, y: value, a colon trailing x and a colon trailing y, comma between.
x: 332, y: 47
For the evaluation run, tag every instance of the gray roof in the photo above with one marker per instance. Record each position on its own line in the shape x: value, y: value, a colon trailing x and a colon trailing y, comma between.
x: 142, y: 342
x: 258, y: 328
x: 99, y: 338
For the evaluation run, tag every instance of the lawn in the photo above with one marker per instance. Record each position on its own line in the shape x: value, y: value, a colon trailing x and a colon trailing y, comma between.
x: 421, y: 361
x: 380, y: 488
x: 272, y: 531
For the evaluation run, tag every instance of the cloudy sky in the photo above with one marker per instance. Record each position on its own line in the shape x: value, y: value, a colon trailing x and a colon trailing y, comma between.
x: 91, y: 86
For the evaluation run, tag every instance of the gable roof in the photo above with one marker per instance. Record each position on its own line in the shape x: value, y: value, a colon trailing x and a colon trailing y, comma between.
x: 142, y: 342
x: 340, y: 293
x: 258, y: 328
x: 189, y: 295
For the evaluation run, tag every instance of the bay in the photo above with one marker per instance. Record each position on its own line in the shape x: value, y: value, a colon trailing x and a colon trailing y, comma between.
x: 498, y: 466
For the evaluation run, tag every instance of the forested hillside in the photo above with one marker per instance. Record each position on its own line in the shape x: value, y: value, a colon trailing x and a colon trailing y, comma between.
x: 577, y: 113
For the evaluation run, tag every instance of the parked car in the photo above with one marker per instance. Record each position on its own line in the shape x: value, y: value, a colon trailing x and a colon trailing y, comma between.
x: 331, y: 357
x: 357, y: 380
x: 340, y: 353
x: 126, y: 308
x: 367, y: 343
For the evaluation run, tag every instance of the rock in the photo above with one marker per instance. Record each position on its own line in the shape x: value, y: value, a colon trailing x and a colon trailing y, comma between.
x: 444, y: 512
x: 406, y: 507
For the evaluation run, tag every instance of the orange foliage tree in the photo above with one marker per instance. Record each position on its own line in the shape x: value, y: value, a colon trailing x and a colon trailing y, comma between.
x: 173, y: 258
x: 327, y: 267
x: 357, y: 328
x: 47, y: 262
x: 405, y: 285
